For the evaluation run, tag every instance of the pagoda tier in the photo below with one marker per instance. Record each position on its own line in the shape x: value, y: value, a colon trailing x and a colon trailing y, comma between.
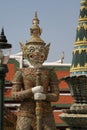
x: 79, y: 60
x: 76, y: 115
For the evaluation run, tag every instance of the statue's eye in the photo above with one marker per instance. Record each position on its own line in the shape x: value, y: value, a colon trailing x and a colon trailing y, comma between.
x: 31, y: 49
x: 42, y: 56
x: 42, y: 49
x: 31, y: 56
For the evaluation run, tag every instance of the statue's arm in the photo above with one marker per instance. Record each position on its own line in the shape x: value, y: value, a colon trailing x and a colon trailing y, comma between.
x: 18, y: 92
x: 53, y: 95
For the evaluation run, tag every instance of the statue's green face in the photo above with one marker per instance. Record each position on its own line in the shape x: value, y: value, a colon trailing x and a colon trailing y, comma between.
x: 36, y: 54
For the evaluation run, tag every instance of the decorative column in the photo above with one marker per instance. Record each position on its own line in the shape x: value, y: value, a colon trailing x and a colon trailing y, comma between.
x: 4, y: 56
x: 76, y: 116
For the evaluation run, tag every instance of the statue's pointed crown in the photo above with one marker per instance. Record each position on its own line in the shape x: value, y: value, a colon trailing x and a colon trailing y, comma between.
x: 35, y: 39
x: 35, y: 32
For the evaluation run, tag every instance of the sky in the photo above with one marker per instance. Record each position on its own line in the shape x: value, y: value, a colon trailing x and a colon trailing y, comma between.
x: 58, y: 20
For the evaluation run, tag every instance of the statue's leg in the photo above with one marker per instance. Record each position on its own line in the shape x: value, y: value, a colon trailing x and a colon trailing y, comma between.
x: 23, y: 123
x: 34, y: 123
x: 48, y: 122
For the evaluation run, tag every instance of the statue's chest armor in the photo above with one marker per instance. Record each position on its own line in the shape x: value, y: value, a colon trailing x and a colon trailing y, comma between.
x: 30, y: 77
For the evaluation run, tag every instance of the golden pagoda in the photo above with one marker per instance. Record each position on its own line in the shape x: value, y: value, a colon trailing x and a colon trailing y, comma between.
x: 79, y: 60
x: 76, y: 115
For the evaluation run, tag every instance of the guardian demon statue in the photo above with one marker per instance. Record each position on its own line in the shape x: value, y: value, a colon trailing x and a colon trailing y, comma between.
x: 35, y: 86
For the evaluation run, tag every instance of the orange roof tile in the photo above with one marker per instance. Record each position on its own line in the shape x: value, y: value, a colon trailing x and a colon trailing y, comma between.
x: 63, y: 85
x: 7, y: 93
x: 62, y: 73
x: 11, y: 72
x: 64, y: 99
x: 56, y: 116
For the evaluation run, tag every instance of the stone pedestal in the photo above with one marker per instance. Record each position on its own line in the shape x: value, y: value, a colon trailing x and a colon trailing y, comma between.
x: 76, y: 116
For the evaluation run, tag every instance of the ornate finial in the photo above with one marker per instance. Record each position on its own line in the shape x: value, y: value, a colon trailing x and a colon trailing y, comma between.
x: 35, y: 20
x: 36, y: 14
x: 35, y: 32
x: 62, y: 57
x: 2, y: 32
x: 2, y: 36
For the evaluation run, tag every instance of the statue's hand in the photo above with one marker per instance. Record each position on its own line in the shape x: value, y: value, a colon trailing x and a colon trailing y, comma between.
x: 37, y: 89
x: 39, y: 96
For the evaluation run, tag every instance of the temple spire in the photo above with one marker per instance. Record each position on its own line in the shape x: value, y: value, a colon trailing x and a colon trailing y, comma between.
x: 2, y: 36
x: 79, y: 60
x: 35, y: 20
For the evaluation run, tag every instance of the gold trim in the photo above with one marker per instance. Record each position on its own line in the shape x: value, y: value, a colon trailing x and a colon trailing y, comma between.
x: 81, y: 43
x: 82, y: 7
x: 78, y: 68
x: 83, y: 2
x: 84, y: 25
x: 82, y: 19
x: 80, y: 50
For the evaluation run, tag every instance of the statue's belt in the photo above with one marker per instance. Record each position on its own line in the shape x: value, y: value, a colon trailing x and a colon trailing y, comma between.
x: 31, y: 115
x: 25, y: 114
